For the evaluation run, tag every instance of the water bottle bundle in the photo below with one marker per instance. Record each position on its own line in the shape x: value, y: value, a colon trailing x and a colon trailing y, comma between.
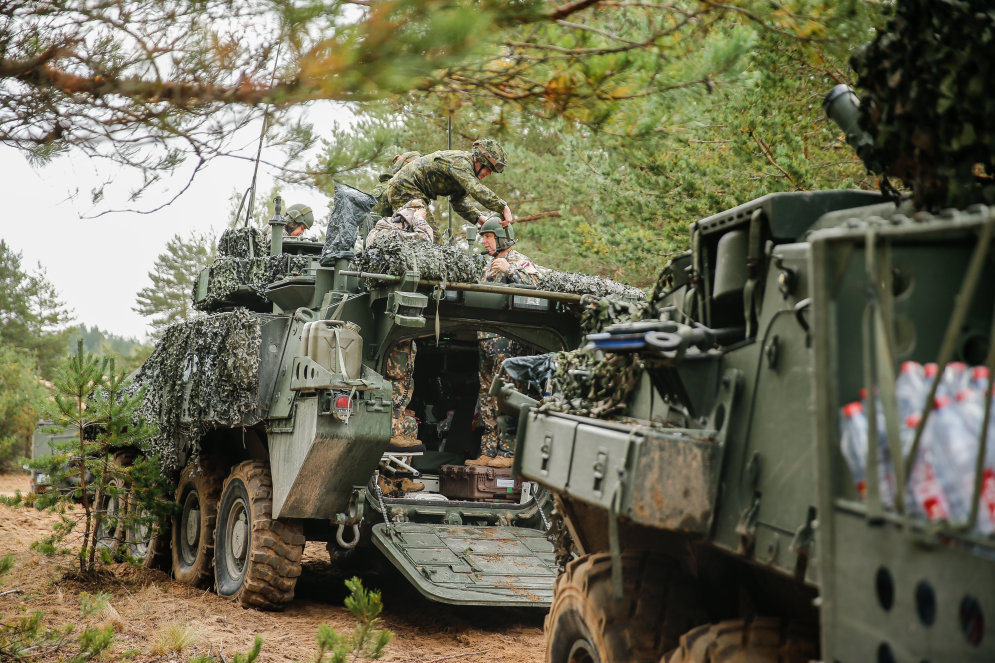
x: 941, y: 483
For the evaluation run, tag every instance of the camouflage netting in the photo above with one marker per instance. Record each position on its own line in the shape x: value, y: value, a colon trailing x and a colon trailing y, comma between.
x: 243, y: 243
x: 587, y: 284
x: 393, y: 255
x: 928, y: 101
x: 202, y: 373
x: 588, y: 382
x: 227, y: 274
x: 608, y: 311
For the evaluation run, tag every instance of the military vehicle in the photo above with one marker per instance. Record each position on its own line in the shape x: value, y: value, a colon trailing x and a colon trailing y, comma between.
x: 715, y: 518
x: 275, y: 415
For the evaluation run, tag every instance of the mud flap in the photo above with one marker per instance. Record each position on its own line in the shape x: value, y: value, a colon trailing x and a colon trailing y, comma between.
x: 472, y: 565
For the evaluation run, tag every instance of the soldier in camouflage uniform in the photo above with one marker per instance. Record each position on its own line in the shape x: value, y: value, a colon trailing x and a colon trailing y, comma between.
x: 455, y: 174
x: 408, y: 224
x: 382, y: 207
x: 506, y: 266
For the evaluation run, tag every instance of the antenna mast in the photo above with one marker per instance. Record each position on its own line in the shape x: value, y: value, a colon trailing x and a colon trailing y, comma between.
x: 259, y: 149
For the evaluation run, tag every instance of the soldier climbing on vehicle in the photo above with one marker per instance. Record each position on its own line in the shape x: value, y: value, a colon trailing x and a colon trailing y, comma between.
x: 455, y: 174
x: 506, y: 266
x: 382, y: 207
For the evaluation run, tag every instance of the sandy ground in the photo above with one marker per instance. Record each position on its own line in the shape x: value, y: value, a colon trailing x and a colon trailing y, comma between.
x: 144, y: 604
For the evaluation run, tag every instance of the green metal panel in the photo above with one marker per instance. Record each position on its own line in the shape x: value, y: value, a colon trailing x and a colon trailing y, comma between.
x: 469, y: 565
x: 302, y: 460
x: 891, y: 588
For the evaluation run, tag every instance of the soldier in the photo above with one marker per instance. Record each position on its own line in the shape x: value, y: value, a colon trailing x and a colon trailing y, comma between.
x: 382, y: 207
x: 299, y: 220
x: 506, y: 266
x: 407, y: 224
x: 455, y: 174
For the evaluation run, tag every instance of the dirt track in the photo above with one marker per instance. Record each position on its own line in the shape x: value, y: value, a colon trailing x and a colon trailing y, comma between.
x: 144, y: 603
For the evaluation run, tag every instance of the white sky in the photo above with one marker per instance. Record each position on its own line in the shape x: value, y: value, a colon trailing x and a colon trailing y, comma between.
x: 99, y: 265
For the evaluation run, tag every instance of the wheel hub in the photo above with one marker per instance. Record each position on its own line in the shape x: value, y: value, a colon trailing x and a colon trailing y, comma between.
x: 239, y: 537
x: 192, y: 527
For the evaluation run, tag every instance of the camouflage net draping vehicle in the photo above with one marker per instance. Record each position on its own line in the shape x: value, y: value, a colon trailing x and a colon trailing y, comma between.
x: 275, y: 415
x: 705, y: 510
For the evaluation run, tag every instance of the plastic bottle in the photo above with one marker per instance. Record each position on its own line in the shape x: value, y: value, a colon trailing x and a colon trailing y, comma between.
x: 911, y: 388
x: 970, y: 406
x: 953, y: 450
x: 853, y: 442
x: 925, y: 496
x: 886, y: 469
x: 955, y: 378
x: 979, y: 379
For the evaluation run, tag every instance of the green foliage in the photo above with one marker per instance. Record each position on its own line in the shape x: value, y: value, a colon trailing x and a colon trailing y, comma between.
x: 32, y: 317
x: 128, y: 353
x: 367, y: 639
x: 22, y: 398
x: 629, y: 174
x: 123, y: 495
x: 175, y: 271
x: 92, y: 604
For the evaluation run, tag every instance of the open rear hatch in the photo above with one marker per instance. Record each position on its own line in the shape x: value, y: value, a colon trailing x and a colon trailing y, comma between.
x: 472, y: 565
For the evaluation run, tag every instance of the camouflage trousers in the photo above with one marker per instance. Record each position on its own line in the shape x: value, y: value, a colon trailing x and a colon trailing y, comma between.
x: 493, y: 350
x: 398, y: 199
x: 401, y: 373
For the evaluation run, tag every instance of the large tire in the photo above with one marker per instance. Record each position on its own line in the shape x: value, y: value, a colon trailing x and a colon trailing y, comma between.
x: 110, y: 532
x: 587, y: 625
x: 258, y: 559
x: 762, y: 640
x: 192, y: 531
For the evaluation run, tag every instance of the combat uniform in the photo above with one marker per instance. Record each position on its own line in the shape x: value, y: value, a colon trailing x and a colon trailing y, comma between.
x: 448, y: 173
x: 401, y: 358
x: 494, y: 349
x: 416, y: 228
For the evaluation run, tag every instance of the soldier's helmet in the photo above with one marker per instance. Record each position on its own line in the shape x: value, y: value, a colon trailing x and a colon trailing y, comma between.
x: 402, y: 160
x: 489, y: 152
x: 505, y: 236
x: 299, y: 213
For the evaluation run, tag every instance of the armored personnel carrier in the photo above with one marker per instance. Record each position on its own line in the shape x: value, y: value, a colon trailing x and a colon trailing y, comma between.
x: 275, y: 416
x: 714, y: 515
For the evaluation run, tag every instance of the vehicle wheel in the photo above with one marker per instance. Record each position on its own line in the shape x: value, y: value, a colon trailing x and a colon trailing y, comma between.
x: 197, y: 494
x: 763, y: 640
x: 110, y: 532
x: 258, y: 559
x: 150, y: 544
x: 587, y: 625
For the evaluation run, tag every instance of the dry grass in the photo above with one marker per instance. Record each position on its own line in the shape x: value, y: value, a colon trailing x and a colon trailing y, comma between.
x: 175, y: 637
x: 144, y: 604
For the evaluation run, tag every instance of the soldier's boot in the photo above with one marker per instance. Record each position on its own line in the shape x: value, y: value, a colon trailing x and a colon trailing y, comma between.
x: 405, y: 444
x: 409, y: 486
x: 387, y: 486
x: 500, y: 461
x: 478, y: 462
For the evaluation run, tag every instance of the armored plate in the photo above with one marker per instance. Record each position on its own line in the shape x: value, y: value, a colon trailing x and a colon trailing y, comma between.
x: 472, y: 565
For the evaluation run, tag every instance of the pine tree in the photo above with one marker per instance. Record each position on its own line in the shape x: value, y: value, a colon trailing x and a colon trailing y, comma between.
x: 176, y: 270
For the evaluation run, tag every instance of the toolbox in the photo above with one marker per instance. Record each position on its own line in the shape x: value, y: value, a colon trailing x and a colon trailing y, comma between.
x: 493, y: 484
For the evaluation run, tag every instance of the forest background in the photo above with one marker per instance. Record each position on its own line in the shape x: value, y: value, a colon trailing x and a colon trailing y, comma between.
x: 630, y: 119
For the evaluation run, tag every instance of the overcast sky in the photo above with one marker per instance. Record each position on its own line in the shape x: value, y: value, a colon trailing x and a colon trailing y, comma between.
x: 99, y: 265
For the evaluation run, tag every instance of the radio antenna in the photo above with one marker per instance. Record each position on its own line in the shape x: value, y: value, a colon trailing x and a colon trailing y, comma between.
x: 259, y: 149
